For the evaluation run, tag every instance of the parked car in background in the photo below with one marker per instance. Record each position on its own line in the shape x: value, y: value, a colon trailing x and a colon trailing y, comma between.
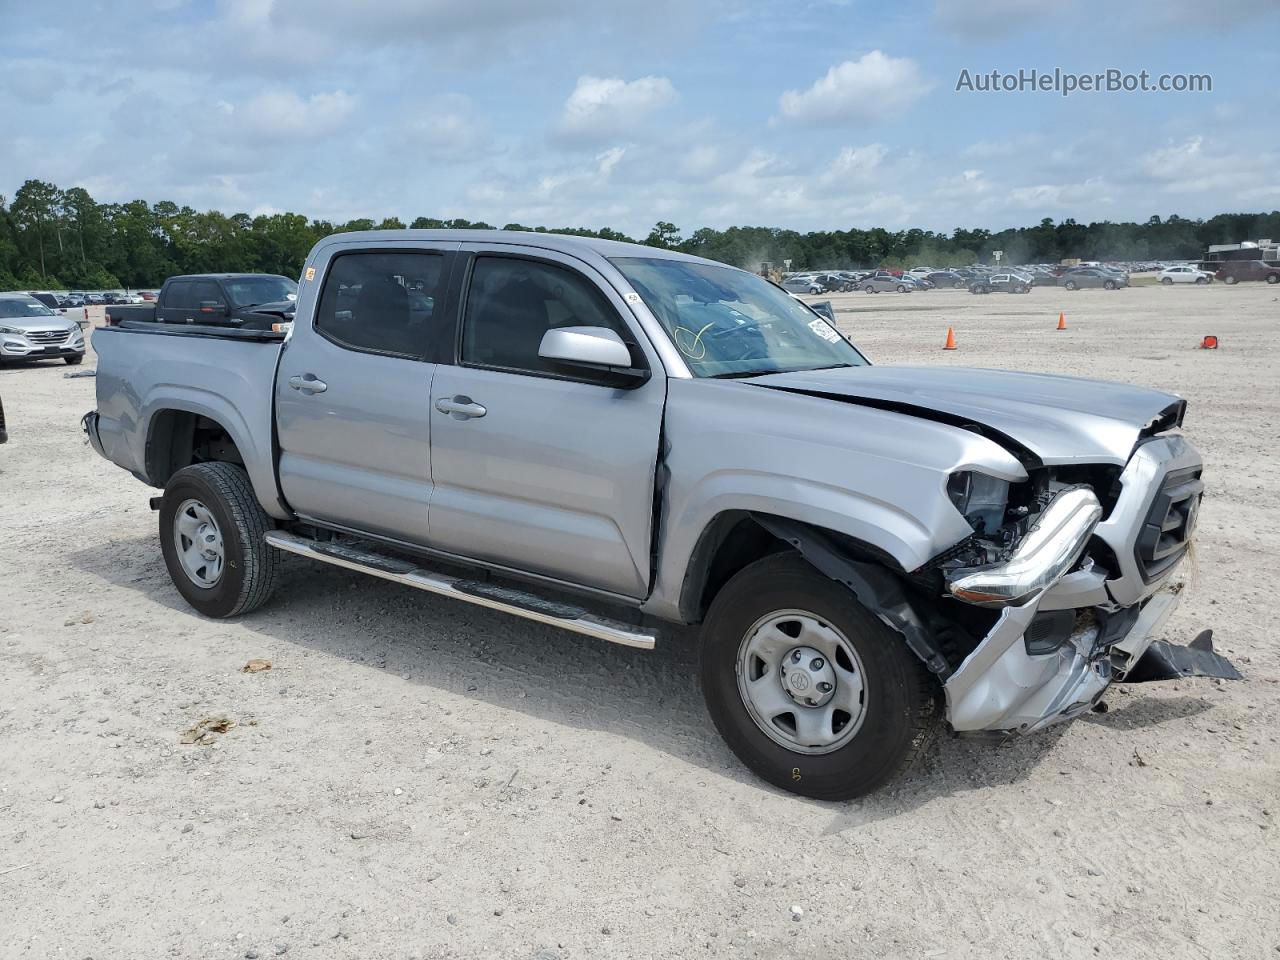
x: 1234, y: 271
x: 1001, y: 283
x: 801, y: 285
x: 880, y: 282
x: 1082, y: 277
x: 31, y: 331
x: 862, y: 549
x: 73, y: 300
x: 149, y: 295
x: 947, y: 278
x: 51, y: 300
x: 95, y: 299
x: 1184, y: 275
x: 251, y: 301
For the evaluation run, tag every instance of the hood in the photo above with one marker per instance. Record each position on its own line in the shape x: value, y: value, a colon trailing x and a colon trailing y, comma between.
x: 1059, y: 420
x: 277, y: 308
x: 38, y: 324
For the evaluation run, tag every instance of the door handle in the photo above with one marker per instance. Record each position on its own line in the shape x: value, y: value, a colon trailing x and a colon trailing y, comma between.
x: 308, y: 383
x: 460, y: 407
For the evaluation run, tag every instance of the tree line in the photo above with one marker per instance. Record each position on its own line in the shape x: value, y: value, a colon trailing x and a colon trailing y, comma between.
x: 55, y: 238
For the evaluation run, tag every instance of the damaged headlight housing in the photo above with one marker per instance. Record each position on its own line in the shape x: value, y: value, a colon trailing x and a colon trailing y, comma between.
x: 1049, y: 549
x: 980, y: 498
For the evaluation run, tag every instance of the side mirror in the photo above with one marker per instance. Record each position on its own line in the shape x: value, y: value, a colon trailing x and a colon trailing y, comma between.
x: 213, y: 306
x: 593, y: 348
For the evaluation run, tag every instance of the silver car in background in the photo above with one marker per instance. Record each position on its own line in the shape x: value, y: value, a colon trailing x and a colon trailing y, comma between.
x: 880, y: 282
x: 31, y: 331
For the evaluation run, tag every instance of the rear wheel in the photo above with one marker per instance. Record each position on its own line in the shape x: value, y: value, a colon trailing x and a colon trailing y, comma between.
x: 212, y: 534
x: 1230, y: 280
x: 809, y: 689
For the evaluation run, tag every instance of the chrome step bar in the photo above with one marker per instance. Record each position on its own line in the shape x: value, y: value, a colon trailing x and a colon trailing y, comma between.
x: 515, y: 602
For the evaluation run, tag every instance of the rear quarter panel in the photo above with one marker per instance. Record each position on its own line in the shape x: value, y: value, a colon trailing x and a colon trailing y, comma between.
x: 231, y: 381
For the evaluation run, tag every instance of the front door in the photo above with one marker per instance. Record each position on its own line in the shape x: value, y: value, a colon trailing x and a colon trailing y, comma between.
x: 353, y: 389
x: 537, y: 467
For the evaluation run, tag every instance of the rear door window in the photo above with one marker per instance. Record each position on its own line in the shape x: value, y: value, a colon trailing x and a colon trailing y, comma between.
x: 382, y: 302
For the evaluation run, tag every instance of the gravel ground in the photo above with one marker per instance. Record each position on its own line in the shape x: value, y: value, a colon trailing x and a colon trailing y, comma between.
x: 415, y: 777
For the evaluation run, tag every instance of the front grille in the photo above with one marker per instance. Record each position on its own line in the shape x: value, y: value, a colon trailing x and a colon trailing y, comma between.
x: 48, y: 336
x: 1166, y: 532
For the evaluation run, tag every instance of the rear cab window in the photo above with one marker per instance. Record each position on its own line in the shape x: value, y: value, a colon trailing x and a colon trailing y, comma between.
x: 382, y: 301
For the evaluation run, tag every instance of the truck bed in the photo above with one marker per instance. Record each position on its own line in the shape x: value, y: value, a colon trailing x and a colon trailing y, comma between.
x: 229, y: 376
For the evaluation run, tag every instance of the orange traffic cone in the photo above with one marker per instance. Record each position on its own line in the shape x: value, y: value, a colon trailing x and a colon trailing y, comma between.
x: 1062, y: 321
x: 951, y: 340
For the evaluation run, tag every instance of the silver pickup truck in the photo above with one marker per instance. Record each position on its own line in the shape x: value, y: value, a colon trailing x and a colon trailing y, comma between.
x: 610, y: 438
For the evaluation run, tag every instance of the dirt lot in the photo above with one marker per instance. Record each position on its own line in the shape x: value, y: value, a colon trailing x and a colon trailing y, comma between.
x: 414, y: 777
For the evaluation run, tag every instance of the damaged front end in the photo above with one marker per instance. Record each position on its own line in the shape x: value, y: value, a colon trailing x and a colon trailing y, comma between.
x: 1076, y: 575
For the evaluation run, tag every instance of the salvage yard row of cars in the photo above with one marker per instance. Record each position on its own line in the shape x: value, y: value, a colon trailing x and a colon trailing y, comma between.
x: 1020, y: 279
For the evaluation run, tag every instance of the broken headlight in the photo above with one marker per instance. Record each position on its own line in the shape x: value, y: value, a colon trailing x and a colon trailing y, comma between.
x: 980, y: 498
x: 1050, y: 548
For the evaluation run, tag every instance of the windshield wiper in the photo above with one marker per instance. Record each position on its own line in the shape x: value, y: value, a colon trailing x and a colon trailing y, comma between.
x: 736, y: 374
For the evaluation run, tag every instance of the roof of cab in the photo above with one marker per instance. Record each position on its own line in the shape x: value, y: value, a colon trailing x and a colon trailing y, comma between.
x: 559, y: 242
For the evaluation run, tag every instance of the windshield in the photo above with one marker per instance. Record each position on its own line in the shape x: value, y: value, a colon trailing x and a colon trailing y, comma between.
x: 250, y: 291
x: 729, y: 323
x: 11, y: 309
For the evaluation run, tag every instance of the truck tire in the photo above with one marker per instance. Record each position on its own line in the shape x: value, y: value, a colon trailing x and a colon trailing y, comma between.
x: 810, y: 690
x: 212, y: 534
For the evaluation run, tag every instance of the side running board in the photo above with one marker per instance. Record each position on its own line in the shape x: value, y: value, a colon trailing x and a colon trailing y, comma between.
x: 515, y: 602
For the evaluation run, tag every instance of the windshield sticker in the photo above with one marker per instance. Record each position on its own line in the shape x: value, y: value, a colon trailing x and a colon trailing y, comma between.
x: 690, y: 343
x: 311, y: 273
x: 632, y: 297
x: 822, y: 329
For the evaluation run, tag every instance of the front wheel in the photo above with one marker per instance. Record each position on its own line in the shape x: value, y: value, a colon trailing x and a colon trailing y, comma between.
x: 809, y: 689
x: 74, y: 361
x: 1273, y: 278
x: 1168, y: 281
x: 1200, y: 280
x: 1070, y: 285
x: 212, y: 535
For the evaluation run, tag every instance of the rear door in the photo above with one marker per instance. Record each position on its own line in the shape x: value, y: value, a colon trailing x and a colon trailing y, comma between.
x: 550, y: 472
x: 354, y: 384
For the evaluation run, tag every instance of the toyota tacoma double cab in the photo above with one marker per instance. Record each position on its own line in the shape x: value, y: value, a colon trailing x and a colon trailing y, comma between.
x: 612, y: 439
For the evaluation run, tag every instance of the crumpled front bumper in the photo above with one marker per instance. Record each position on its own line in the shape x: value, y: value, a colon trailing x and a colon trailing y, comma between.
x: 1006, y: 686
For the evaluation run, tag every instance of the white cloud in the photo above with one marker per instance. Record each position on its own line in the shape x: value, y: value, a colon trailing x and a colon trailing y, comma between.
x: 602, y: 107
x: 282, y: 112
x: 855, y: 164
x: 867, y: 89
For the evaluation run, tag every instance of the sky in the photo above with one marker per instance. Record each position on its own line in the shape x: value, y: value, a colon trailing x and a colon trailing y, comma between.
x: 811, y: 114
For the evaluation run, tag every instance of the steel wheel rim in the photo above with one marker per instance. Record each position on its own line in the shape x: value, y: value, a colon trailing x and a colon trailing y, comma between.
x: 776, y: 676
x: 198, y: 540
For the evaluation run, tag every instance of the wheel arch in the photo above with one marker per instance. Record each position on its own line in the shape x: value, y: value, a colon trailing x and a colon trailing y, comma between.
x: 183, y: 430
x: 735, y: 539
